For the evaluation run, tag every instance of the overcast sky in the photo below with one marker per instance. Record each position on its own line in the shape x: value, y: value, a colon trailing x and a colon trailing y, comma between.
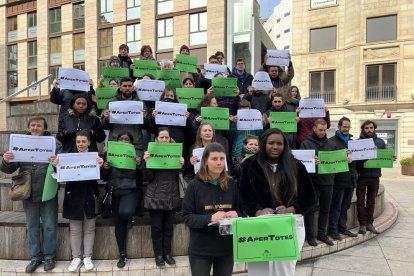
x: 266, y: 7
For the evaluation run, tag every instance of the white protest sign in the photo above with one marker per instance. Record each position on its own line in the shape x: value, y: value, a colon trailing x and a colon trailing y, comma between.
x: 249, y: 119
x: 126, y: 112
x: 172, y: 114
x: 277, y: 57
x: 199, y: 153
x: 77, y: 167
x: 73, y: 79
x: 30, y: 148
x: 307, y: 157
x: 262, y: 81
x: 150, y: 90
x: 312, y: 108
x: 212, y: 69
x: 362, y: 149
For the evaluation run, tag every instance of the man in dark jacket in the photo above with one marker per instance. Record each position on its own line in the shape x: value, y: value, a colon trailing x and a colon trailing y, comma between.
x: 244, y: 79
x: 344, y: 186
x: 323, y: 184
x: 35, y: 210
x: 368, y: 182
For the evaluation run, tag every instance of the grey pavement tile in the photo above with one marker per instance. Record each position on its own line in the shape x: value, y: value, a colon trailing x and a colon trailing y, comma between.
x: 330, y: 272
x: 354, y: 264
x: 400, y: 268
x: 388, y: 241
x: 363, y: 250
x: 303, y: 271
x: 398, y: 254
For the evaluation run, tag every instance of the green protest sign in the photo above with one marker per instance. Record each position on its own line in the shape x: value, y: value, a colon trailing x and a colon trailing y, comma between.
x: 164, y: 155
x: 186, y: 63
x: 224, y: 86
x: 385, y: 159
x: 266, y: 238
x: 143, y: 67
x: 170, y: 77
x: 218, y: 117
x: 332, y: 161
x: 51, y: 185
x: 190, y: 96
x: 121, y: 155
x: 114, y: 72
x: 285, y: 121
x: 103, y: 95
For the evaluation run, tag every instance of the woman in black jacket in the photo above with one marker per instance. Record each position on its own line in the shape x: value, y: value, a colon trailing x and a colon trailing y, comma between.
x: 274, y: 182
x: 126, y: 187
x: 211, y: 196
x: 81, y: 116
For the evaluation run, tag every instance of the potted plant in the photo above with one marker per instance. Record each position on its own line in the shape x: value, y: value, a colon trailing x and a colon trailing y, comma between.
x: 407, y: 165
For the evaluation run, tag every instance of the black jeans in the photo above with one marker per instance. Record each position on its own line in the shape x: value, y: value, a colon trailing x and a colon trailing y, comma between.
x: 162, y: 224
x: 123, y: 210
x: 367, y: 190
x: 323, y: 197
x: 201, y: 265
x: 341, y: 201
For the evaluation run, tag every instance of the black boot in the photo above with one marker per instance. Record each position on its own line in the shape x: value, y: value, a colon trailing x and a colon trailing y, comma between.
x: 122, y: 260
x: 169, y: 260
x: 159, y: 260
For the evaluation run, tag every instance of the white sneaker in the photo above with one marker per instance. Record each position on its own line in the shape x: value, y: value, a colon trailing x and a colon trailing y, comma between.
x: 75, y: 264
x: 87, y: 261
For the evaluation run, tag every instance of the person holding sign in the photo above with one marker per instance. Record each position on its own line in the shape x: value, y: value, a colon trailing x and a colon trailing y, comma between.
x: 161, y: 199
x: 323, y: 184
x: 226, y: 101
x: 259, y: 99
x: 210, y: 197
x: 146, y: 53
x: 81, y: 116
x: 79, y: 208
x: 343, y: 187
x: 126, y: 187
x: 305, y: 126
x: 38, y: 214
x: 274, y: 182
x: 244, y: 79
x: 293, y: 97
x: 279, y: 78
x: 368, y: 182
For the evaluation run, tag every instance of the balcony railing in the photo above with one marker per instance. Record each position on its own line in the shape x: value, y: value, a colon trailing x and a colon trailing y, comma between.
x: 381, y: 93
x: 328, y: 96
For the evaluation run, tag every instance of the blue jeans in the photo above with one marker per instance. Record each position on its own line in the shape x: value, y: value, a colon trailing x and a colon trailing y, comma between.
x: 43, y: 214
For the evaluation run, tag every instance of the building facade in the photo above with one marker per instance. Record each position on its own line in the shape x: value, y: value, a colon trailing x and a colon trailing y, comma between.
x: 359, y: 57
x: 39, y: 36
x: 279, y: 25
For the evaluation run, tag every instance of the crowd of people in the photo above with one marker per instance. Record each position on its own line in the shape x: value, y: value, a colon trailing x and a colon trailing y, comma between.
x: 241, y: 173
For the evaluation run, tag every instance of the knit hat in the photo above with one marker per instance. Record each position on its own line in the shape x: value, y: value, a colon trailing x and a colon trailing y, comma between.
x: 114, y: 58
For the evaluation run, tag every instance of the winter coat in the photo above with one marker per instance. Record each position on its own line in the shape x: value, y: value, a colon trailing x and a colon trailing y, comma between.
x: 259, y: 100
x: 244, y: 80
x: 366, y: 172
x: 123, y: 180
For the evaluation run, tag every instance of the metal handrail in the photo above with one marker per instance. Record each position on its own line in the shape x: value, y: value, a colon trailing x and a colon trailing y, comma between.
x: 25, y: 89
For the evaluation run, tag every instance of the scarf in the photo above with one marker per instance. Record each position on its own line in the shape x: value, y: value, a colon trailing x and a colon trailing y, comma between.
x: 343, y: 137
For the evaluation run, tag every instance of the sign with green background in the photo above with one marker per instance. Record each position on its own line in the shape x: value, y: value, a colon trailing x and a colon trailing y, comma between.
x: 103, y: 95
x: 218, y: 117
x: 285, y: 121
x: 186, y: 63
x: 332, y: 161
x: 170, y: 77
x: 190, y: 96
x: 143, y: 67
x: 114, y: 72
x: 385, y: 159
x: 224, y: 86
x: 121, y: 155
x: 164, y: 155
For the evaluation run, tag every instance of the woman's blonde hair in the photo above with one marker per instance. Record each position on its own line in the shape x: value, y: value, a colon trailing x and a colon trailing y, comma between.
x: 199, y: 142
x: 204, y: 173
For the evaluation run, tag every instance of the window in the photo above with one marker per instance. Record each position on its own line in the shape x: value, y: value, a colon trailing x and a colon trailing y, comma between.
x: 382, y: 28
x: 101, y: 64
x: 133, y: 9
x: 322, y: 86
x: 286, y: 14
x: 322, y: 39
x: 134, y: 38
x: 12, y: 81
x: 165, y: 34
x: 31, y: 24
x: 55, y: 21
x: 198, y: 28
x: 78, y: 47
x: 105, y: 11
x: 79, y: 16
x: 278, y: 20
x: 12, y: 28
x: 381, y: 82
x: 105, y: 43
x: 31, y: 78
x: 287, y: 47
x: 79, y: 66
x: 269, y: 31
x: 54, y: 70
x: 55, y: 50
x: 286, y: 31
x: 32, y: 54
x: 278, y: 36
x: 197, y: 3
x: 164, y: 6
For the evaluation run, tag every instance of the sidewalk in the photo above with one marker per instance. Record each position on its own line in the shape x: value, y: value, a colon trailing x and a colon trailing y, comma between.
x: 390, y: 253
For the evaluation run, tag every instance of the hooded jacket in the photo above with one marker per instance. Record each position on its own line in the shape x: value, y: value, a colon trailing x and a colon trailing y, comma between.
x: 366, y: 172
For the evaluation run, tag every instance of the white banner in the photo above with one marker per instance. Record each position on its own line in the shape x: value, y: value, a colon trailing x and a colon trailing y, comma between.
x: 307, y: 157
x: 312, y: 108
x: 172, y: 114
x: 249, y: 119
x: 212, y: 69
x: 362, y: 149
x: 277, y: 57
x: 73, y: 79
x: 321, y: 3
x: 199, y: 153
x: 262, y: 81
x: 126, y: 112
x: 77, y: 167
x: 29, y: 148
x: 150, y: 90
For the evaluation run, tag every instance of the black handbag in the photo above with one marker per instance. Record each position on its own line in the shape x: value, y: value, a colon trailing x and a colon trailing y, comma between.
x: 107, y: 204
x: 21, y: 186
